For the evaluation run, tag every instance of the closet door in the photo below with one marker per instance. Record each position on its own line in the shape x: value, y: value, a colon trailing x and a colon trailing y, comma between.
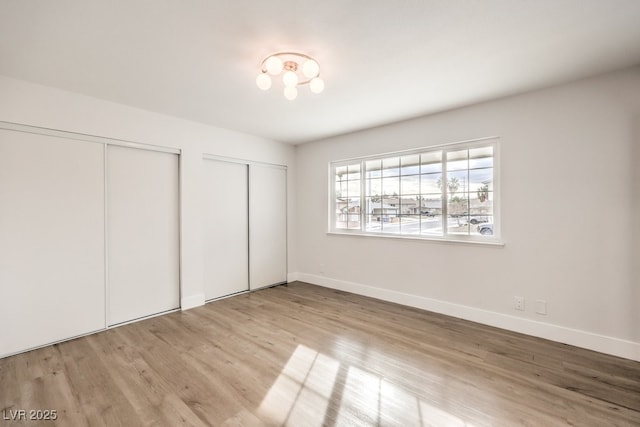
x: 267, y: 225
x: 51, y: 239
x: 143, y: 233
x: 226, y: 222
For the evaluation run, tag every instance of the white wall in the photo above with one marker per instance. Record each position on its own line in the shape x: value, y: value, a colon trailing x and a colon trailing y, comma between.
x: 42, y: 106
x: 570, y: 208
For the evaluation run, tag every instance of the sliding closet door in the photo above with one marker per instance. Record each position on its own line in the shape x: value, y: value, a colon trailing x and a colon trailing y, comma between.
x: 143, y: 233
x: 226, y: 222
x: 267, y: 225
x: 51, y: 239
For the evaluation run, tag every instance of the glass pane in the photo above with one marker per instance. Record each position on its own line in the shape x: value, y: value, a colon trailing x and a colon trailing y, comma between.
x: 341, y: 221
x: 431, y: 162
x: 353, y: 188
x: 483, y: 229
x: 374, y: 187
x: 481, y: 179
x: 353, y: 213
x: 410, y: 185
x: 341, y: 173
x: 458, y: 207
x: 457, y: 184
x: 391, y: 166
x: 431, y: 204
x: 391, y: 186
x: 373, y: 205
x: 459, y: 226
x: 482, y: 210
x: 430, y: 183
x: 390, y: 224
x: 481, y: 157
x: 373, y: 168
x: 386, y: 212
x: 410, y: 205
x: 353, y: 171
x: 431, y: 225
x: 410, y: 165
x: 457, y: 160
x: 341, y: 189
x: 382, y: 210
x: 409, y: 224
x: 372, y: 223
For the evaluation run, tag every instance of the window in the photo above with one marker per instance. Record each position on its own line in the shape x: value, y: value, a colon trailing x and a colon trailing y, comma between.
x: 444, y: 192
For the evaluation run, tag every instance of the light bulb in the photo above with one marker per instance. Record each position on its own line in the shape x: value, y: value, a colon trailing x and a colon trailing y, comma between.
x: 263, y: 81
x: 274, y: 65
x: 290, y: 78
x: 310, y: 69
x: 316, y: 85
x: 290, y: 93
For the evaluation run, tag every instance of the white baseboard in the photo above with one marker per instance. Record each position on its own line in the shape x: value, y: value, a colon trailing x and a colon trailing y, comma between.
x: 191, y: 301
x: 575, y: 337
x: 292, y: 277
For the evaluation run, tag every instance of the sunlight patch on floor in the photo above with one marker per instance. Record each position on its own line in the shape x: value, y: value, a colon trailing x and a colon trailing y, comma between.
x: 314, y: 389
x: 302, y: 392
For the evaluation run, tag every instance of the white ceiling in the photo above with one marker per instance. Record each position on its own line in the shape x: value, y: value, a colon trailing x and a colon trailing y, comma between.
x: 382, y: 60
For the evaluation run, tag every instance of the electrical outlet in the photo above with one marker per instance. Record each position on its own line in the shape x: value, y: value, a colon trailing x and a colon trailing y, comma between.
x: 321, y: 269
x: 518, y: 303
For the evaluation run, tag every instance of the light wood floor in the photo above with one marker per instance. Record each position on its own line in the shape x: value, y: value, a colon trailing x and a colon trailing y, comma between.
x: 305, y: 355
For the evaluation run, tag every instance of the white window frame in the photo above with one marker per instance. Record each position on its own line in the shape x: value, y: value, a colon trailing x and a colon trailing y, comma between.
x: 494, y: 239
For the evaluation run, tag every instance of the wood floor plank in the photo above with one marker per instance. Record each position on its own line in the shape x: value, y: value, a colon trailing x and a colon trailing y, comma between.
x: 303, y: 355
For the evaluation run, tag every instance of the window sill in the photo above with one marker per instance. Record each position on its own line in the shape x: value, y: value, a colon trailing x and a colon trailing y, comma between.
x: 473, y: 242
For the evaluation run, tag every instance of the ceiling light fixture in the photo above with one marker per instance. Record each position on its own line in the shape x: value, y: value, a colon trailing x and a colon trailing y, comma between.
x: 296, y: 68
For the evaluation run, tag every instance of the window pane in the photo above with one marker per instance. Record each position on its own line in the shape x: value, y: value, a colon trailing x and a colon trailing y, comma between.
x: 409, y: 224
x: 481, y: 157
x: 353, y: 171
x: 372, y: 223
x: 341, y: 189
x: 481, y: 179
x: 391, y: 166
x: 458, y: 225
x: 458, y: 206
x: 386, y: 213
x: 341, y: 210
x: 410, y: 165
x: 482, y: 207
x: 341, y: 173
x: 431, y: 162
x: 373, y: 168
x: 410, y: 185
x: 353, y: 213
x: 374, y: 187
x: 390, y: 224
x: 457, y: 184
x: 431, y: 204
x: 457, y: 160
x: 382, y: 210
x: 430, y: 183
x: 391, y: 186
x: 431, y: 225
x: 353, y: 188
x: 340, y: 221
x: 410, y: 205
